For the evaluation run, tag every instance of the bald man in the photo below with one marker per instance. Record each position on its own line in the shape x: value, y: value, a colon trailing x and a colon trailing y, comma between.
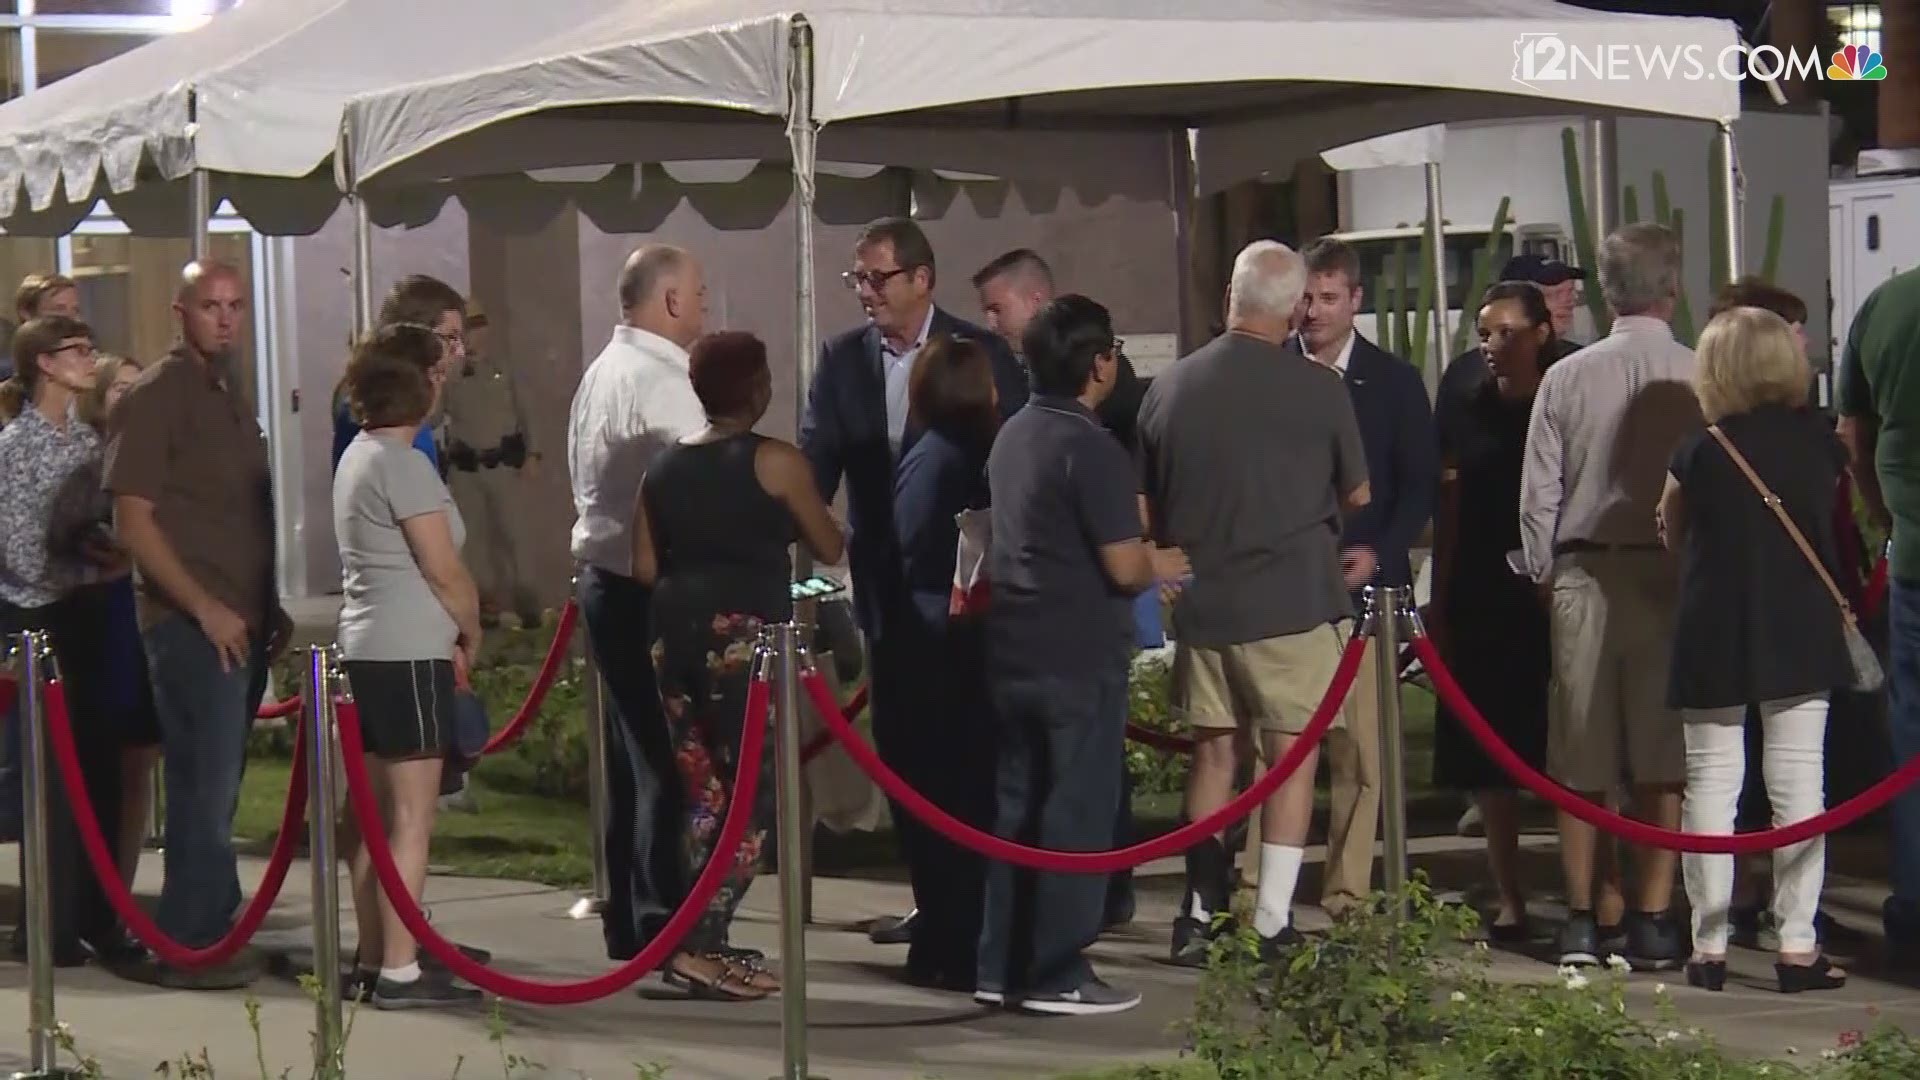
x: 186, y: 465
x: 634, y: 400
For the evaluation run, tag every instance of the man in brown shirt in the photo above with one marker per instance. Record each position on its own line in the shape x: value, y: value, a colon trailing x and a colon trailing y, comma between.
x: 187, y: 469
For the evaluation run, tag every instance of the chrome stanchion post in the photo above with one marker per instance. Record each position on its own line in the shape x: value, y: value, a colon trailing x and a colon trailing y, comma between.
x: 43, y: 1026
x: 784, y: 640
x: 157, y: 807
x: 322, y: 851
x: 1390, y: 606
x: 594, y: 690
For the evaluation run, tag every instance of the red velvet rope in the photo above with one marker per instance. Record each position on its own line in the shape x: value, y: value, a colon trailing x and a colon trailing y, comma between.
x: 543, y: 682
x: 1159, y: 740
x: 657, y: 951
x: 105, y: 867
x: 1639, y: 832
x: 819, y: 743
x: 279, y: 710
x: 1091, y: 862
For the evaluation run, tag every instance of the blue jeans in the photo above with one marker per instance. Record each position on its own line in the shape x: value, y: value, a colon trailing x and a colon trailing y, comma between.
x: 205, y: 715
x: 1903, y: 722
x: 1058, y: 778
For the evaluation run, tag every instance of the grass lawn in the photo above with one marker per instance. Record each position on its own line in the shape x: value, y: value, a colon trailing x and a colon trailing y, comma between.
x: 515, y: 835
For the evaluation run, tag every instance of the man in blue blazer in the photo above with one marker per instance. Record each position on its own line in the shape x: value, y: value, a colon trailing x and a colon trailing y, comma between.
x: 1396, y: 428
x: 856, y: 428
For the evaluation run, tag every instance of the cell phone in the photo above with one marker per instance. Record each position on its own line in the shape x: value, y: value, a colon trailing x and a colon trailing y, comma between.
x: 816, y: 587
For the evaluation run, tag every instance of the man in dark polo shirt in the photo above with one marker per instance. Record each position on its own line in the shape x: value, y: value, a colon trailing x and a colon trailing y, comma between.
x: 1065, y: 560
x: 187, y: 468
x: 1879, y: 401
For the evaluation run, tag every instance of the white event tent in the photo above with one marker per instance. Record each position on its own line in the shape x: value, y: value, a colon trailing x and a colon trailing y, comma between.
x: 1132, y: 95
x: 247, y: 108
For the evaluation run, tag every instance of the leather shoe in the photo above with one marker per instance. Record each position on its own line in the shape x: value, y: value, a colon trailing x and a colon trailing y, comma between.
x: 893, y: 931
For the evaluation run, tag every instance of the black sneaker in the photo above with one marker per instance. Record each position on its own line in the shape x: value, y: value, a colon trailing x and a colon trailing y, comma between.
x: 1091, y: 998
x: 1580, y: 940
x: 432, y: 990
x: 356, y: 986
x: 1193, y: 940
x: 1281, y: 946
x: 1613, y: 940
x: 1655, y: 942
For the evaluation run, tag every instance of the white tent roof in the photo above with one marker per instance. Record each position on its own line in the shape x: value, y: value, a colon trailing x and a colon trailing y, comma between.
x: 1038, y: 85
x: 256, y: 92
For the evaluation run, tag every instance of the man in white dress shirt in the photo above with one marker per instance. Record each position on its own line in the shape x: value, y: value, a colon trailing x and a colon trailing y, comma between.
x: 634, y: 400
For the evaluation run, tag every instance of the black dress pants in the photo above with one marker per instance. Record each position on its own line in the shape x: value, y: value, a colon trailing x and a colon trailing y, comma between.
x: 646, y: 871
x: 77, y: 626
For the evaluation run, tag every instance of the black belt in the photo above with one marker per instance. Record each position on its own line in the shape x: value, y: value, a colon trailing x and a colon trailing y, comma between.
x: 1572, y: 547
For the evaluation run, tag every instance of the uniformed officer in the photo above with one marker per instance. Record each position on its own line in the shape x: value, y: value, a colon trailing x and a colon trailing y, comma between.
x: 487, y: 458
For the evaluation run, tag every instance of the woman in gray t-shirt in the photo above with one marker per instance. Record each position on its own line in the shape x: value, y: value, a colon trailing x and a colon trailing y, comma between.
x: 409, y: 627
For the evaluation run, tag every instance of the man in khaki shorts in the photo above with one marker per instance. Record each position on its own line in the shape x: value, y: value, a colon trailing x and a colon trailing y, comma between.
x: 1604, y: 425
x: 1249, y: 455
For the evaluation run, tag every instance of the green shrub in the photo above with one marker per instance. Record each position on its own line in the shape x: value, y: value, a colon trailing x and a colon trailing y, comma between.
x: 1383, y: 996
x: 1149, y: 688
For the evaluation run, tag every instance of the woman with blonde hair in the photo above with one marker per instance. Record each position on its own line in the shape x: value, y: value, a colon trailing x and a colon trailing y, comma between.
x: 1758, y: 624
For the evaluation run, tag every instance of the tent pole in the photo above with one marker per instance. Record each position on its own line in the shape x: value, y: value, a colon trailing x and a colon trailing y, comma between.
x: 1729, y: 181
x: 200, y: 203
x: 1180, y: 192
x: 1437, y: 228
x: 1603, y: 162
x: 795, y: 816
x: 362, y: 265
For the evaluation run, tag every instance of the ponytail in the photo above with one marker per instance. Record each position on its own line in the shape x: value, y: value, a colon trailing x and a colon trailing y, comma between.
x: 13, y: 398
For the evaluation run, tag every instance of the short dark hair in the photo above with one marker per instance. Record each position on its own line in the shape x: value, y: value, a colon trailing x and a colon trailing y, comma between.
x: 422, y: 300
x: 911, y: 249
x: 726, y: 368
x: 951, y: 390
x: 1023, y: 260
x: 389, y: 380
x: 1531, y: 298
x: 1755, y: 291
x: 34, y: 289
x: 1327, y: 255
x: 1062, y: 341
x: 36, y: 338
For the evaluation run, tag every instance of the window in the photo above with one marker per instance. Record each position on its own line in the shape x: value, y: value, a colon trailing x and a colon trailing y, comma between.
x: 1859, y: 23
x: 127, y: 285
x: 1376, y: 256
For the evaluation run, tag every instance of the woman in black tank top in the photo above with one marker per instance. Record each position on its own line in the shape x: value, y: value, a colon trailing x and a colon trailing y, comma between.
x: 714, y: 519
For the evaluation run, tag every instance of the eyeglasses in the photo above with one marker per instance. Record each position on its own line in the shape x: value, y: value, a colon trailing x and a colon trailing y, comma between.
x: 80, y: 349
x: 452, y: 340
x: 872, y: 279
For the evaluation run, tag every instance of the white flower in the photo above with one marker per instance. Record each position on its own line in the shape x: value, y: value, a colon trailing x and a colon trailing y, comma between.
x: 1539, y: 1033
x: 1829, y: 1055
x: 1568, y: 971
x: 1616, y: 962
x: 1576, y: 981
x: 1659, y: 988
x: 1673, y: 1036
x: 1458, y: 997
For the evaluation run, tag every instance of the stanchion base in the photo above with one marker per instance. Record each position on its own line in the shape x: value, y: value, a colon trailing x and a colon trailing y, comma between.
x: 55, y: 1073
x: 587, y: 907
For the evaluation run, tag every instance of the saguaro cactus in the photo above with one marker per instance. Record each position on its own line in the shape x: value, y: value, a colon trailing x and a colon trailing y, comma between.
x: 1483, y: 271
x: 1585, y: 245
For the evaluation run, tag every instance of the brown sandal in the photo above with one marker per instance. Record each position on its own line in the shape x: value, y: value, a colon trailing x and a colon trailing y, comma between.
x: 718, y: 987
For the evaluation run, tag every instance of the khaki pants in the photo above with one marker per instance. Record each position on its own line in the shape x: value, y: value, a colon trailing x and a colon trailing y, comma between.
x: 1352, y: 751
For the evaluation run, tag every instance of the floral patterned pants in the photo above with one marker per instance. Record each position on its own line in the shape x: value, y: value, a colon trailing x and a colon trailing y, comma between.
x: 703, y: 666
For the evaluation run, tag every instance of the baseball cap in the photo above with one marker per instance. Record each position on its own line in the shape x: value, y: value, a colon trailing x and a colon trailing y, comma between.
x: 1540, y: 271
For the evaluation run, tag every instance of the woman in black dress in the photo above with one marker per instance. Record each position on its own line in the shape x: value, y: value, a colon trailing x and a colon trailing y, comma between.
x: 1757, y: 626
x: 715, y: 515
x: 1487, y: 621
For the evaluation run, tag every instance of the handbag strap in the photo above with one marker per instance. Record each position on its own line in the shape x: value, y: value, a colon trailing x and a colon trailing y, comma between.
x: 1780, y: 511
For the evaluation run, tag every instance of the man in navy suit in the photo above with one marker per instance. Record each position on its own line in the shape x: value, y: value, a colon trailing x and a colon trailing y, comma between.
x: 1396, y: 429
x: 856, y: 428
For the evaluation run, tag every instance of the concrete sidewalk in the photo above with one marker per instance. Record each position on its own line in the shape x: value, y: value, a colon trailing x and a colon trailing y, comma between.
x: 864, y: 1024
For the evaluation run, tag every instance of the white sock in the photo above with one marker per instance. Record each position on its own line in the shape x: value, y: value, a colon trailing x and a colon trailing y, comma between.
x: 1197, y: 908
x: 410, y: 973
x: 1279, y: 873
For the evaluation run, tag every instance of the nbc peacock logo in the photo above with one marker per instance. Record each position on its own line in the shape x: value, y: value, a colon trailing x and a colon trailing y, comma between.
x: 1856, y: 63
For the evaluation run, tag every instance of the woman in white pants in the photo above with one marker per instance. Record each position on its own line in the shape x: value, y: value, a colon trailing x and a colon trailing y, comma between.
x: 1756, y: 625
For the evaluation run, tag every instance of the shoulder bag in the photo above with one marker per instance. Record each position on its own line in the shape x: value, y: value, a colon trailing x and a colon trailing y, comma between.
x: 1868, y: 676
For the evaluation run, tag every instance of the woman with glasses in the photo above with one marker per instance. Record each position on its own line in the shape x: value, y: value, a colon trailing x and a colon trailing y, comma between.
x: 52, y: 558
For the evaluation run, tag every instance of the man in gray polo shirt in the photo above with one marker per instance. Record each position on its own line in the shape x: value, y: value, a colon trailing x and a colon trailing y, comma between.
x: 1249, y: 453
